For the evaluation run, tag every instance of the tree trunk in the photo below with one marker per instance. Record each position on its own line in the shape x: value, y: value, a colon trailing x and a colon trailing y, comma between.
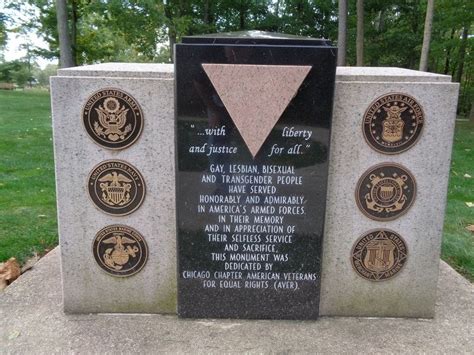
x: 448, y: 53
x: 172, y: 35
x: 471, y: 113
x: 381, y: 21
x: 172, y: 42
x: 208, y: 14
x: 342, y: 33
x: 242, y: 16
x: 360, y: 33
x: 425, y: 49
x: 74, y: 31
x: 462, y: 53
x: 65, y: 49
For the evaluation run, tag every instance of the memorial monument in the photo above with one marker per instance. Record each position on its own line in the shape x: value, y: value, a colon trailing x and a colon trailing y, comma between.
x: 253, y: 128
x: 264, y: 175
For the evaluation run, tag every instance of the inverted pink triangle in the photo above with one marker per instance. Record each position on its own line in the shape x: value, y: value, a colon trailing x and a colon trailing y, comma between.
x: 255, y: 96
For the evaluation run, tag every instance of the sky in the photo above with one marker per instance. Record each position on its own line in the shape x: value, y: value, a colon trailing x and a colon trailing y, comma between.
x: 13, y: 50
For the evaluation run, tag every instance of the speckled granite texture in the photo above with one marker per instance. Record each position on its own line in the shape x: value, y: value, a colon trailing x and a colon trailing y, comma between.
x: 411, y: 293
x: 86, y: 287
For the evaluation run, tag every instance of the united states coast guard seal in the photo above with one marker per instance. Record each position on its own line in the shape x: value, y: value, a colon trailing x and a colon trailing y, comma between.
x: 379, y: 255
x: 116, y: 187
x: 393, y: 123
x: 120, y: 250
x: 112, y: 118
x: 385, y: 191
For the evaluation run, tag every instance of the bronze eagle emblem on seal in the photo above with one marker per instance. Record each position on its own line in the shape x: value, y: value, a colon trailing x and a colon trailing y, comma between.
x: 112, y: 118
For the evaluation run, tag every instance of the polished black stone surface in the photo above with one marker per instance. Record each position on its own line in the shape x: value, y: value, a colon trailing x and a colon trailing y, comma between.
x: 255, y: 37
x: 217, y: 240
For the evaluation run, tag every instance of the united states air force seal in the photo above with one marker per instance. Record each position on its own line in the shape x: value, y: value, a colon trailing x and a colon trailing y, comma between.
x: 112, y: 118
x: 120, y: 250
x: 393, y: 123
x: 379, y: 255
x: 116, y: 187
x: 385, y: 191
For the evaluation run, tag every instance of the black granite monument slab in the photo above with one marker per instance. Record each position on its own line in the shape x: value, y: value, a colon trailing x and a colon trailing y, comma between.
x: 253, y: 121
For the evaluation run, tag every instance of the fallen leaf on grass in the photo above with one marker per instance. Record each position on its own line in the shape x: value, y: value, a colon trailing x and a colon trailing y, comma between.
x: 470, y: 227
x: 30, y: 263
x: 9, y: 272
x: 14, y: 334
x: 470, y: 204
x: 467, y: 176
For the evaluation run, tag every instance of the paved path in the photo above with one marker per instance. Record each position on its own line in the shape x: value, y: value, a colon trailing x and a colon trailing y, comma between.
x: 32, y: 321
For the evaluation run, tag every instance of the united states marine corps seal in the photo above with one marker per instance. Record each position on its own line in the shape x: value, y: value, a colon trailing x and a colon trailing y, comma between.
x: 393, y: 123
x: 116, y: 187
x: 112, y: 118
x: 385, y: 191
x: 379, y: 255
x: 120, y: 250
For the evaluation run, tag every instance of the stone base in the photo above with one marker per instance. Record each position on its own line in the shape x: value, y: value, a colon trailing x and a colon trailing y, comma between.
x: 32, y: 321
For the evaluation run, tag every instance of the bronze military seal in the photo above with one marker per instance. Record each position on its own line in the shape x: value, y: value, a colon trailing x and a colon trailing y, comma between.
x: 116, y: 187
x: 120, y: 250
x: 393, y: 123
x: 379, y: 255
x: 112, y: 118
x: 385, y: 191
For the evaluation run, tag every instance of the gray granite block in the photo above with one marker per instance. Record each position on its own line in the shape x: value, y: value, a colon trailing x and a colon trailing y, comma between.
x: 412, y: 292
x: 86, y: 287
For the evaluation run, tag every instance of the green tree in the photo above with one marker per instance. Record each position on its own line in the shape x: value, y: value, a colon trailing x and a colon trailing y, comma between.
x: 3, y: 34
x: 7, y: 70
x: 3, y: 29
x: 309, y: 18
x: 43, y: 75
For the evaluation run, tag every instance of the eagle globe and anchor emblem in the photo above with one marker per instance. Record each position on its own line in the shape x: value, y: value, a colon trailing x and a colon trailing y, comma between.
x: 116, y: 187
x: 120, y: 250
x: 117, y: 256
x: 112, y: 118
x: 385, y: 191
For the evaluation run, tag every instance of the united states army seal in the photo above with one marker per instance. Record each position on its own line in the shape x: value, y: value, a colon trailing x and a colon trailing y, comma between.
x: 385, y: 191
x: 116, y: 187
x: 379, y: 255
x: 393, y: 123
x: 120, y: 250
x: 112, y: 118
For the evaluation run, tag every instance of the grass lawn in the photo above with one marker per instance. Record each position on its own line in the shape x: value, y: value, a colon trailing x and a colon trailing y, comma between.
x: 27, y: 196
x: 458, y: 243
